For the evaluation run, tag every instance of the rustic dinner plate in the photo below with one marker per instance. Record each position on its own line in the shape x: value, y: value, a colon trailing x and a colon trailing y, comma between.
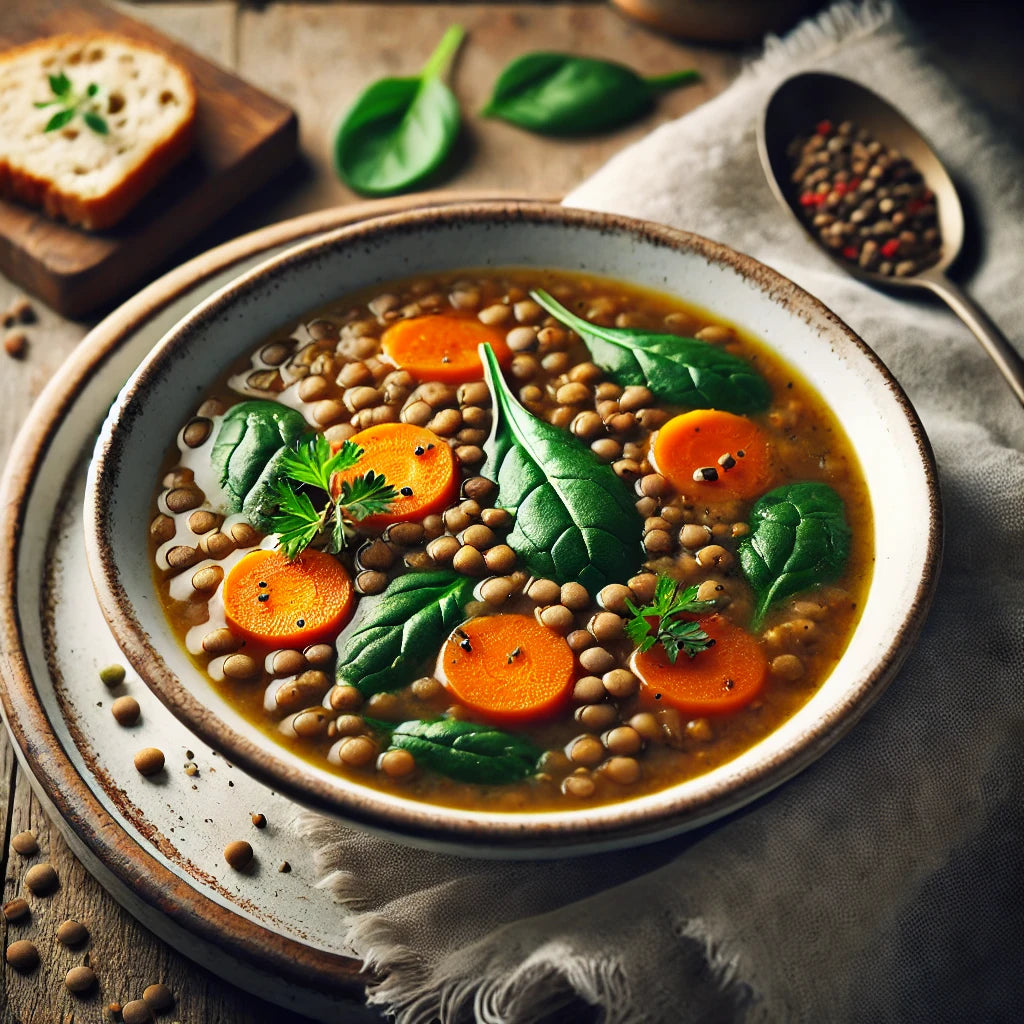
x: 156, y: 845
x: 882, y: 426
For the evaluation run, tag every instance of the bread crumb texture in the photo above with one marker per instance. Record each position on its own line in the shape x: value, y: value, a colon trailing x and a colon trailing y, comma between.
x: 89, y: 178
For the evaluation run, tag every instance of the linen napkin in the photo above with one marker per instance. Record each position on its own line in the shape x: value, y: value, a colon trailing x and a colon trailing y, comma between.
x: 886, y: 882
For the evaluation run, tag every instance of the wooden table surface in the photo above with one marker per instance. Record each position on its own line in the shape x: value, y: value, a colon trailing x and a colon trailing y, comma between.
x: 316, y: 57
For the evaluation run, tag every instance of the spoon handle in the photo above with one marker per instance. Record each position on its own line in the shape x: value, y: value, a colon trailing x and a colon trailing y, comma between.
x: 1002, y: 353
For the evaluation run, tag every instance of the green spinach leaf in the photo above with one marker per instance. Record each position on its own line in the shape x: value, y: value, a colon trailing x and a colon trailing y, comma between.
x: 574, y: 518
x: 249, y: 436
x: 559, y: 94
x: 799, y: 538
x: 684, y: 371
x: 400, y: 129
x: 391, y: 635
x: 466, y: 751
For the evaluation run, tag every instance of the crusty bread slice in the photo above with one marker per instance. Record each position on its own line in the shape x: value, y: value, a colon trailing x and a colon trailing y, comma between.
x: 146, y: 99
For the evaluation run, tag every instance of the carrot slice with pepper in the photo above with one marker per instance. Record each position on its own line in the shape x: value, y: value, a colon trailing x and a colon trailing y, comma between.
x: 717, y: 680
x: 509, y: 668
x: 730, y: 450
x: 280, y: 603
x: 442, y: 347
x: 414, y: 460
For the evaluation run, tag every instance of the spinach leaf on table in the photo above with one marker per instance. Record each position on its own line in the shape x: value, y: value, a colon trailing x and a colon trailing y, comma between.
x: 393, y: 633
x: 574, y: 518
x: 466, y: 751
x: 559, y: 94
x: 799, y: 538
x: 400, y: 129
x: 249, y: 436
x: 683, y: 371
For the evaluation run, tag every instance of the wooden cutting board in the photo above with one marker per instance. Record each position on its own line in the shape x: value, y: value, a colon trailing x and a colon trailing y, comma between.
x: 244, y: 138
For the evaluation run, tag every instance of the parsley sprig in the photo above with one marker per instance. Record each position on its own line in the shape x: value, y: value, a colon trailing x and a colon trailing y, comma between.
x: 72, y: 103
x: 674, y: 634
x: 299, y: 522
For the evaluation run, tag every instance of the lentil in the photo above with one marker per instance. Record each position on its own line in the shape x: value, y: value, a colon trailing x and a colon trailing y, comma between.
x: 23, y: 955
x: 596, y: 717
x: 586, y: 750
x: 16, y: 344
x: 126, y: 710
x: 158, y: 997
x: 579, y: 786
x: 16, y: 909
x: 25, y: 844
x: 41, y: 879
x: 238, y: 854
x: 136, y: 1012
x: 623, y: 770
x: 149, y: 761
x: 240, y: 666
x: 79, y: 979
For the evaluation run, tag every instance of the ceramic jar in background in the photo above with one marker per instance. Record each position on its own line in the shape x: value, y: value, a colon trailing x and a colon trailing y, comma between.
x: 717, y: 21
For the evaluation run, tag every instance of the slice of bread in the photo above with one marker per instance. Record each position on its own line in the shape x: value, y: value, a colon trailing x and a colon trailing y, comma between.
x: 145, y: 99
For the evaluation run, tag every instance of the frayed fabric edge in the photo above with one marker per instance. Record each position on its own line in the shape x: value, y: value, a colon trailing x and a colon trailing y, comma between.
x: 819, y: 37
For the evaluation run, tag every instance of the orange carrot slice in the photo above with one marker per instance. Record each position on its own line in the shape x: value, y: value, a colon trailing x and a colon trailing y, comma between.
x: 442, y: 347
x: 715, y: 681
x: 278, y: 603
x: 730, y: 448
x: 509, y: 668
x: 415, y: 461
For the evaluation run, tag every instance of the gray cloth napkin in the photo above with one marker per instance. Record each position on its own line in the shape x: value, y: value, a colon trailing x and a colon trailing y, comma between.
x: 886, y: 882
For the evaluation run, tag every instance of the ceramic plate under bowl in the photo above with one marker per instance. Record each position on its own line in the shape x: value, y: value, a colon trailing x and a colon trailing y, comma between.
x: 879, y: 421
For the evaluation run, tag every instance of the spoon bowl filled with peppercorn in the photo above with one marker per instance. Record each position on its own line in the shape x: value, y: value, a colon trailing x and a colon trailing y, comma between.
x: 871, y: 191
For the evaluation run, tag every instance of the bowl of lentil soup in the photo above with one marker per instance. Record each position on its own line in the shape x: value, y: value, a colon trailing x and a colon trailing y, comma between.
x: 439, y: 525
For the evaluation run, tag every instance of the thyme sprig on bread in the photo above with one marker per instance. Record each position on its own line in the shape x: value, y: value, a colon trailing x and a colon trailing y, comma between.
x: 72, y: 103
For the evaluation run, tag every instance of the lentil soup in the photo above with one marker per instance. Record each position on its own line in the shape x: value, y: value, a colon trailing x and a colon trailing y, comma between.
x: 490, y: 538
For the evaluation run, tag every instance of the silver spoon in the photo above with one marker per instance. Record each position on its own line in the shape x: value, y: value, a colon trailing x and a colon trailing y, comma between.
x: 801, y: 102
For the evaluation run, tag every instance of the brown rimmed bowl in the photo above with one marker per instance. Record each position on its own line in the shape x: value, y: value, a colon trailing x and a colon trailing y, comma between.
x: 881, y: 424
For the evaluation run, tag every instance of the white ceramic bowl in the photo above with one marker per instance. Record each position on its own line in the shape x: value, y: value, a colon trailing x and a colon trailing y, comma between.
x: 880, y: 422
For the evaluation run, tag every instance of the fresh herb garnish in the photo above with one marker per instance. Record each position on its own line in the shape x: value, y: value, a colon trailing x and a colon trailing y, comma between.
x: 674, y: 634
x: 72, y: 103
x: 298, y: 522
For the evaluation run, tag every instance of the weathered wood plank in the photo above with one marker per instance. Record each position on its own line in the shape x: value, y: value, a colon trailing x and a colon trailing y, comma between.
x: 319, y: 57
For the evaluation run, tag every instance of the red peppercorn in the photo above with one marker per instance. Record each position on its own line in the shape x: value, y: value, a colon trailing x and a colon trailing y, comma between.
x: 850, y: 252
x: 854, y: 182
x: 824, y: 127
x: 890, y: 248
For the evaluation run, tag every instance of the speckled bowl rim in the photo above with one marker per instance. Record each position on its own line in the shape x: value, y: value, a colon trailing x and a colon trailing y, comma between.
x: 604, y: 826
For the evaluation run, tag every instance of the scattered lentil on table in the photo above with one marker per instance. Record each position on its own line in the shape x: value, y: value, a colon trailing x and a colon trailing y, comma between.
x: 72, y: 933
x: 25, y: 844
x: 80, y: 979
x: 16, y: 909
x: 23, y: 955
x: 41, y: 879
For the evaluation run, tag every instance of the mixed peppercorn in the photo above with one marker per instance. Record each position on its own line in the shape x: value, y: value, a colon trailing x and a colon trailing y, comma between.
x: 866, y: 202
